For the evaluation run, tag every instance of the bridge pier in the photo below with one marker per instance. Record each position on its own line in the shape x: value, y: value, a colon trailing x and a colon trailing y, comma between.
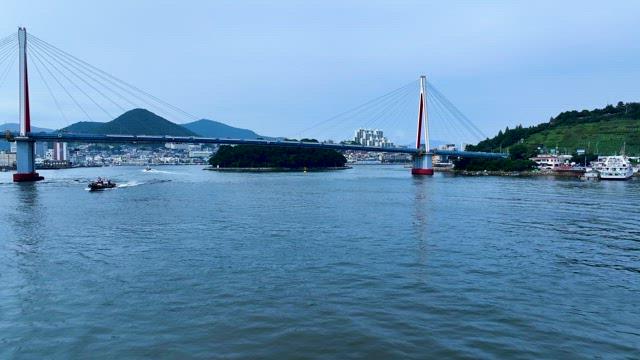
x: 25, y: 147
x: 422, y: 164
x: 25, y: 161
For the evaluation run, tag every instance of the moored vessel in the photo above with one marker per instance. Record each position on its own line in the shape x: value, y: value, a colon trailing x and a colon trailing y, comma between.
x: 590, y: 174
x: 615, y: 168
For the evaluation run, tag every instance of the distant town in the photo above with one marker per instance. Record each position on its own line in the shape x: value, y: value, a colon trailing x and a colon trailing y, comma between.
x: 60, y: 155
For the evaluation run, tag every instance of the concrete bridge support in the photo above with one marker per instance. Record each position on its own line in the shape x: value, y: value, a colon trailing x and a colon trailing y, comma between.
x: 25, y: 154
x: 422, y: 164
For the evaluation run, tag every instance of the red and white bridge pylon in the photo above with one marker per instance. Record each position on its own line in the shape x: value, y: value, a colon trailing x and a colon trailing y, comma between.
x: 422, y: 162
x: 25, y: 157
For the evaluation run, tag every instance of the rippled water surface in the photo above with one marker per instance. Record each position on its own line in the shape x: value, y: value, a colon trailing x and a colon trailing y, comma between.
x: 361, y: 263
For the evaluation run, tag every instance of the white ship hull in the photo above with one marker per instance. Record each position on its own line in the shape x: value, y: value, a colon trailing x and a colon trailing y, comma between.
x: 615, y: 168
x: 605, y: 176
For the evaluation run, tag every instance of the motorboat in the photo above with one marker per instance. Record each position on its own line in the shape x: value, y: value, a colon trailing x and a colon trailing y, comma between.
x: 101, y: 184
x: 590, y: 174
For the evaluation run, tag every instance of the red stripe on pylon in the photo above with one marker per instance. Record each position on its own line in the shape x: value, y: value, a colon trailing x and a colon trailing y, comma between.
x: 420, y: 107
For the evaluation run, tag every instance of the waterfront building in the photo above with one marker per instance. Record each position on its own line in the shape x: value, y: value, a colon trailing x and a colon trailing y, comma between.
x: 7, y: 159
x: 550, y: 161
x: 176, y: 146
x: 60, y: 151
x: 199, y: 154
x: 41, y: 149
x: 371, y: 137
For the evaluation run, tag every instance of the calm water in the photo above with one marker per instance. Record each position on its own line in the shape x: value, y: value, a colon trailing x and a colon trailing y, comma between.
x: 367, y: 262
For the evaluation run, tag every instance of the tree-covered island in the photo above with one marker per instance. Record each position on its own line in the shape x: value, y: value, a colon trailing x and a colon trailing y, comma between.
x: 257, y: 157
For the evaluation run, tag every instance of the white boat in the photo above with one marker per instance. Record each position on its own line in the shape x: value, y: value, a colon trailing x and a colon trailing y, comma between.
x: 590, y: 174
x: 615, y: 168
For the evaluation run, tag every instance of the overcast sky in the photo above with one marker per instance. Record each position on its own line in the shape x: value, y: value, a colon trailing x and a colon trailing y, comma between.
x: 277, y: 67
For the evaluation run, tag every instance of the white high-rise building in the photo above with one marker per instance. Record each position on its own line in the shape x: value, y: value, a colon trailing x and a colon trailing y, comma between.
x: 60, y: 151
x: 371, y: 137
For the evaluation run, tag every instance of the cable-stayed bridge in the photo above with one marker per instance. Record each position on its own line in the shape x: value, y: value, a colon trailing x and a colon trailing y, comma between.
x: 70, y: 81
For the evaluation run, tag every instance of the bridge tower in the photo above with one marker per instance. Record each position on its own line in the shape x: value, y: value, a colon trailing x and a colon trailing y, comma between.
x: 25, y: 157
x: 422, y: 162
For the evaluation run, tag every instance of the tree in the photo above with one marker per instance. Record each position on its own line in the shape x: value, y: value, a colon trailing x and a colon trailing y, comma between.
x: 520, y: 152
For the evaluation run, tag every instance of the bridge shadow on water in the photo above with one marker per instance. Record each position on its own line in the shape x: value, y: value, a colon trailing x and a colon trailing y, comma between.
x: 29, y: 214
x: 421, y: 221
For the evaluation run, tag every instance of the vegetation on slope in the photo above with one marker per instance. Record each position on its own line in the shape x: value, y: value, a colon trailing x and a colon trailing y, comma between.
x: 210, y: 128
x: 601, y: 130
x: 252, y: 156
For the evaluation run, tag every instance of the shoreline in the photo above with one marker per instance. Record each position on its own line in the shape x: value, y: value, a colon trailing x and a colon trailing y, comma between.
x: 274, y: 169
x: 519, y: 173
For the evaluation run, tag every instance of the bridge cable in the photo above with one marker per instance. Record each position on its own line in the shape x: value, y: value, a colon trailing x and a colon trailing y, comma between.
x: 363, y: 105
x: 11, y: 39
x: 330, y: 125
x: 75, y: 85
x: 88, y: 68
x: 156, y: 99
x: 84, y: 69
x: 5, y: 73
x: 55, y: 100
x: 372, y: 112
x: 437, y: 118
x: 457, y: 117
x: 7, y: 49
x: 385, y: 118
x: 455, y: 110
x: 37, y: 57
x: 76, y: 74
x: 454, y: 121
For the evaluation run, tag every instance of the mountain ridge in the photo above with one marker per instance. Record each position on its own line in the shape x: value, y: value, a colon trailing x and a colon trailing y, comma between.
x: 212, y: 128
x: 134, y: 122
x: 144, y: 122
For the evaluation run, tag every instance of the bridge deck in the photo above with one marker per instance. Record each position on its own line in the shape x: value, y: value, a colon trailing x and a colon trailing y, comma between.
x: 146, y: 139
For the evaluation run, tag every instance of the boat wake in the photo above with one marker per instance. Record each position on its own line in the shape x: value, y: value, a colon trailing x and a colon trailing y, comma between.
x: 154, y: 171
x: 134, y: 183
x: 130, y: 184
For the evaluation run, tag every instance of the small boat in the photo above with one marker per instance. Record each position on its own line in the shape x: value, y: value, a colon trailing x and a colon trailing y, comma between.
x: 101, y: 184
x: 147, y: 168
x: 590, y: 174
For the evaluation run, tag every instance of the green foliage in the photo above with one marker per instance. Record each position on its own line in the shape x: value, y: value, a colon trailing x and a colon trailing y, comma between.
x: 580, y: 159
x: 252, y: 156
x: 518, y: 161
x: 521, y: 152
x: 494, y: 164
x: 602, y: 130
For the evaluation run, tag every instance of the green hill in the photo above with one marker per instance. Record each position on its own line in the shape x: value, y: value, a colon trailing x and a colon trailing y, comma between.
x: 144, y: 122
x: 603, y: 131
x: 210, y: 128
x: 84, y: 127
x: 136, y: 122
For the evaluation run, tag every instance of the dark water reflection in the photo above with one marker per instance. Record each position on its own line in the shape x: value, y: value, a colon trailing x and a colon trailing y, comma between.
x: 368, y: 262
